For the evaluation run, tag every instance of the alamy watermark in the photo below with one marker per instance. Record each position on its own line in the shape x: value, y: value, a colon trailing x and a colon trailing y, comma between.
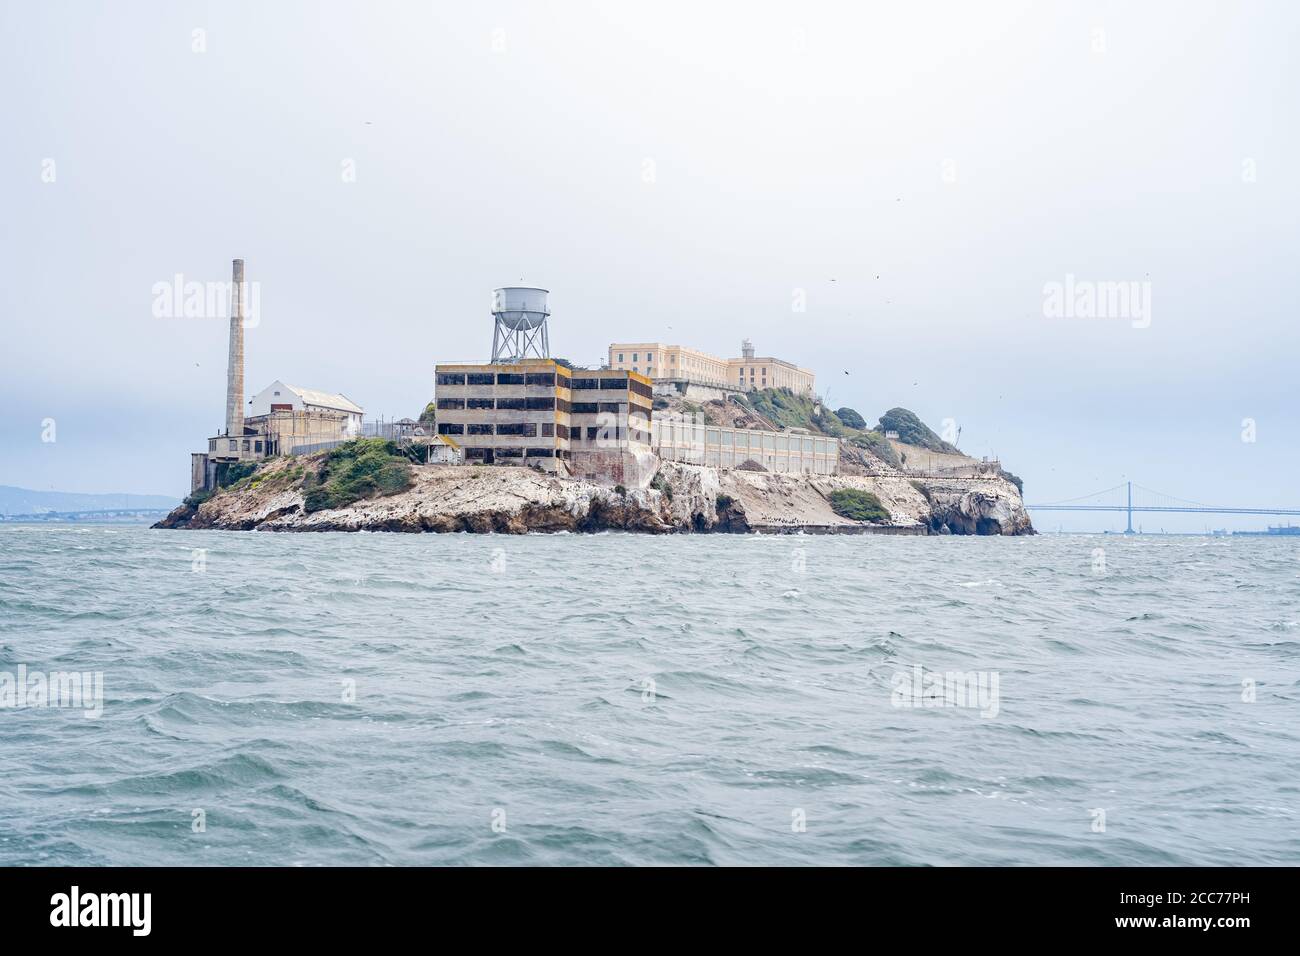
x: 1085, y: 299
x: 83, y: 690
x: 919, y: 688
x: 181, y: 299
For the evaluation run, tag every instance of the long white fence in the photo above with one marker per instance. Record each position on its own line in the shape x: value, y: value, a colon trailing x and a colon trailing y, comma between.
x: 688, y: 439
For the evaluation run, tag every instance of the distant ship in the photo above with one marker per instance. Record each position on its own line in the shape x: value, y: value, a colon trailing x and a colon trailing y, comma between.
x: 1287, y: 529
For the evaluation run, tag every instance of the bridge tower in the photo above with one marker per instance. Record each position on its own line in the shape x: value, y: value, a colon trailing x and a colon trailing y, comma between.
x: 1129, y: 529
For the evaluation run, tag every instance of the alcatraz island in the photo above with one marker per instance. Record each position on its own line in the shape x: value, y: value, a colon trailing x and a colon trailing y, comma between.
x: 660, y: 438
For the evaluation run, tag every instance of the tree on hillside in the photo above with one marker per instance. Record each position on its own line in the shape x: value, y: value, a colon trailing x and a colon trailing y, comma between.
x: 851, y: 418
x: 912, y: 431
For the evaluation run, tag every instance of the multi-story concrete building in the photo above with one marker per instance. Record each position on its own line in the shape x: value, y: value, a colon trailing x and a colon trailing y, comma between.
x: 750, y: 372
x: 516, y: 413
x: 660, y: 361
x: 586, y: 423
x: 678, y: 364
x: 611, y: 415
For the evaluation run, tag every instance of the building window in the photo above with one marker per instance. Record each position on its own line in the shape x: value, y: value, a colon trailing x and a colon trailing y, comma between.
x: 234, y: 445
x: 479, y: 403
x: 446, y: 378
x: 450, y: 428
x: 479, y: 429
x: 548, y: 430
x: 480, y: 378
x: 510, y: 378
x: 620, y: 356
x: 458, y: 403
x: 527, y: 429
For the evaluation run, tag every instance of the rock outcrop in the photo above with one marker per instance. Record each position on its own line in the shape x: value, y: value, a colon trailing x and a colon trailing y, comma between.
x: 682, y: 498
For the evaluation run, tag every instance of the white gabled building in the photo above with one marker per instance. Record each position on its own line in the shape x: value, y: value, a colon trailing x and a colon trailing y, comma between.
x: 279, y: 397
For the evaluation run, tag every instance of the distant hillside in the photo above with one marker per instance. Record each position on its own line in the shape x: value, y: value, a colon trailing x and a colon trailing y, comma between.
x: 25, y: 501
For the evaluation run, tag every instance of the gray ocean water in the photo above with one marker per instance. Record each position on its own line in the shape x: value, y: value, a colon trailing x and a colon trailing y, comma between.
x: 615, y: 699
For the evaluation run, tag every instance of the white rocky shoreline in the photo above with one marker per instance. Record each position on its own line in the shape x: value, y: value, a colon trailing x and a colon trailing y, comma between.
x: 689, y: 499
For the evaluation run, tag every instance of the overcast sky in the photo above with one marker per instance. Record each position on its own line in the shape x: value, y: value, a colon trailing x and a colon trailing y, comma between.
x: 917, y: 173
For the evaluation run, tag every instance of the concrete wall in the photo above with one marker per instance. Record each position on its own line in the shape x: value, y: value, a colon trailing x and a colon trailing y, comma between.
x: 726, y: 448
x: 681, y: 388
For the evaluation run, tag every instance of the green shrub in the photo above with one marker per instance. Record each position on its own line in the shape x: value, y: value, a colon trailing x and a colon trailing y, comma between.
x: 230, y: 473
x: 725, y: 502
x: 1014, y: 479
x: 361, y: 468
x: 660, y: 484
x: 620, y: 490
x: 197, y: 498
x: 429, y: 415
x: 857, y: 505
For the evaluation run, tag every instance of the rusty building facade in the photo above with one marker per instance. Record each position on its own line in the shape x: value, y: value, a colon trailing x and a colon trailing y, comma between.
x: 536, y: 412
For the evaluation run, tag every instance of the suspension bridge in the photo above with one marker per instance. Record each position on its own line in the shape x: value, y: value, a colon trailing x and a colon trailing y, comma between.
x: 1120, y: 498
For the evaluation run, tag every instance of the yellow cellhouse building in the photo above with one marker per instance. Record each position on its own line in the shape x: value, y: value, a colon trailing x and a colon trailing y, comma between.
x: 663, y: 362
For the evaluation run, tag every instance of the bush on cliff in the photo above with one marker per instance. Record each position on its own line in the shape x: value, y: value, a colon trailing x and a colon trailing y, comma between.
x: 784, y: 409
x: 857, y: 505
x: 660, y: 484
x: 361, y: 468
x: 878, y: 445
x: 196, y: 498
x: 1014, y: 479
x: 231, y: 473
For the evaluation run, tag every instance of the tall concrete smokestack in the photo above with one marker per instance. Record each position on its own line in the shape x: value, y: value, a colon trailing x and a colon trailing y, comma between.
x: 235, y: 366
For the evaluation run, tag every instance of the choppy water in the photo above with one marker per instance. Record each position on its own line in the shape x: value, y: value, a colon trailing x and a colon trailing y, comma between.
x: 506, y: 681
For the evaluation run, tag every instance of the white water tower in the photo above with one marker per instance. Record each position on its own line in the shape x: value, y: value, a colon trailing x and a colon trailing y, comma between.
x: 520, y: 329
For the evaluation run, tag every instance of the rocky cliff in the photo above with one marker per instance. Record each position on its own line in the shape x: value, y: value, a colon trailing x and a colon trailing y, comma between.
x: 682, y: 498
